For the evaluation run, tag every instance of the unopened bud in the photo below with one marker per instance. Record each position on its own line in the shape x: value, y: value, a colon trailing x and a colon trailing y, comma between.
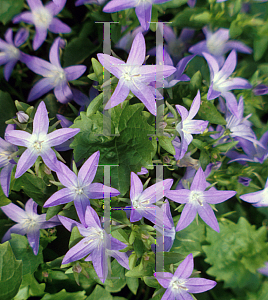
x: 77, y: 268
x: 22, y: 117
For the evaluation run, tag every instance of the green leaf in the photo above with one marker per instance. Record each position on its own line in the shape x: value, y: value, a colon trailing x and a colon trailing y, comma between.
x: 10, y: 8
x: 3, y: 199
x: 137, y: 273
x: 166, y: 143
x: 34, y: 187
x: 99, y: 293
x: 118, y: 272
x: 120, y: 235
x: 196, y: 82
x: 94, y: 105
x: 260, y: 46
x: 7, y: 103
x: 30, y: 287
x: 204, y: 159
x: 236, y: 252
x: 227, y: 146
x: 151, y: 282
x: 98, y: 70
x: 210, y: 113
x: 24, y: 252
x: 190, y: 239
x: 10, y: 272
x: 127, y: 152
x: 63, y: 295
x: 77, y: 51
x: 138, y: 247
x: 133, y: 284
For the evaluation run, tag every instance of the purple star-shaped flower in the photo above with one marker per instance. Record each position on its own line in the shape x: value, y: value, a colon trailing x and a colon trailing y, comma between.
x: 197, y: 200
x: 142, y: 201
x: 143, y: 9
x: 10, y: 53
x: 239, y: 126
x: 253, y: 152
x: 43, y: 19
x: 133, y: 76
x: 7, y: 163
x: 96, y: 242
x: 29, y: 222
x: 79, y: 188
x: 217, y: 44
x: 179, y: 285
x: 258, y: 199
x: 55, y: 77
x: 188, y: 126
x: 221, y: 83
x: 39, y: 143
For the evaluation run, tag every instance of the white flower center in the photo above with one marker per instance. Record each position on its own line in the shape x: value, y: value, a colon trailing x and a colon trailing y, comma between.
x: 178, y: 284
x: 136, y: 203
x: 79, y: 190
x: 196, y: 197
x: 42, y: 17
x: 144, y: 1
x: 216, y: 45
x: 38, y: 146
x: 13, y: 52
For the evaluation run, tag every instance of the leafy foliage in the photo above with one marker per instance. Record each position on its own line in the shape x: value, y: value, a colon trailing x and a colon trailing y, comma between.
x: 236, y: 252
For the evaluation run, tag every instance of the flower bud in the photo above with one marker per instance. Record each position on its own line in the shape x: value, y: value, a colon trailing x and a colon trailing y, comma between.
x: 22, y: 117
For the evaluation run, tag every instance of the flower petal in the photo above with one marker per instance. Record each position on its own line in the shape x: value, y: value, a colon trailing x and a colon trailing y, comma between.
x: 121, y: 258
x: 54, y: 56
x: 9, y: 68
x: 81, y: 202
x: 215, y: 197
x: 207, y: 215
x: 99, y: 191
x: 195, y: 106
x: 14, y: 212
x: 185, y: 269
x: 57, y: 26
x: 60, y: 197
x: 41, y: 121
x: 25, y: 162
x: 67, y: 177
x: 187, y: 216
x: 18, y: 137
x: 119, y: 95
x: 59, y: 136
x: 199, y: 285
x: 63, y: 92
x: 40, y: 88
x: 118, y: 5
x: 156, y: 191
x: 199, y: 181
x: 5, y: 176
x: 50, y: 159
x: 143, y: 92
x: 39, y: 37
x: 135, y: 216
x: 33, y: 238
x: 163, y: 278
x: 74, y: 72
x: 21, y: 37
x: 17, y: 228
x: 92, y: 218
x: 112, y: 64
x: 136, y: 186
x: 144, y: 13
x: 100, y: 264
x: 88, y: 171
x: 80, y: 250
x: 137, y: 52
x: 179, y: 196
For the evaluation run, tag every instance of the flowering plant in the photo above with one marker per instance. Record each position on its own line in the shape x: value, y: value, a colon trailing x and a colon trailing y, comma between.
x: 133, y: 147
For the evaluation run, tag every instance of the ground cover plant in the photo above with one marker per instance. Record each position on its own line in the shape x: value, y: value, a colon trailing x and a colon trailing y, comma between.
x: 133, y: 149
